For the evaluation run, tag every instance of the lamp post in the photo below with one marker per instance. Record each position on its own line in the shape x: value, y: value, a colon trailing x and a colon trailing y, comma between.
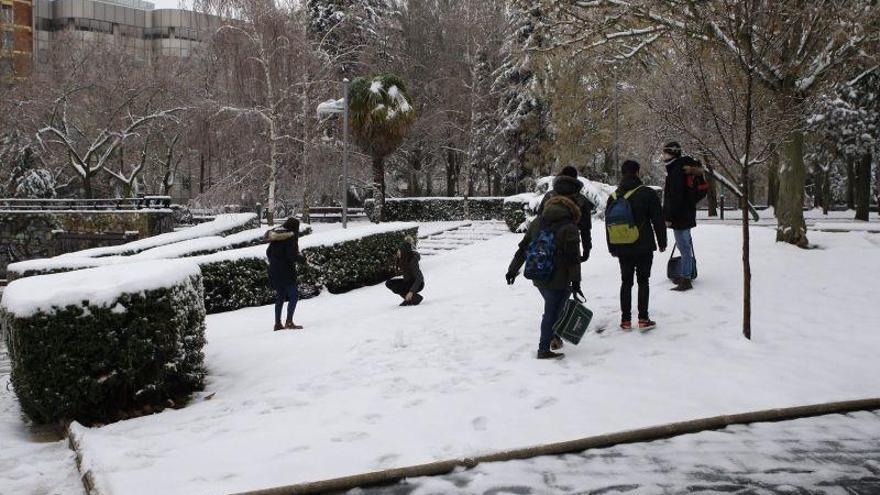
x: 332, y: 107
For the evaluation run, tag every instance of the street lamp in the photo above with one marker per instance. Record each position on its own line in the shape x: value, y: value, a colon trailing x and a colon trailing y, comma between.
x: 333, y: 107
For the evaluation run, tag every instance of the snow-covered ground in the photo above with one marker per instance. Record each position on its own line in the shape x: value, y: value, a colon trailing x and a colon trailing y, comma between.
x: 369, y: 385
x: 830, y: 455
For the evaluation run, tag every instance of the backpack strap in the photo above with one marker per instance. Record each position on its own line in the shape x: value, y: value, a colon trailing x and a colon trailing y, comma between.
x: 631, y: 192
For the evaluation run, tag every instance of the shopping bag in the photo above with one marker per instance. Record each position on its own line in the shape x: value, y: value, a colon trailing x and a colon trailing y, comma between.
x: 573, y: 321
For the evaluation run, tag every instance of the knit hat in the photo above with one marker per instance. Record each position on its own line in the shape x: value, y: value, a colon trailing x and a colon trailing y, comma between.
x: 291, y: 224
x: 630, y: 167
x: 673, y: 148
x: 569, y: 171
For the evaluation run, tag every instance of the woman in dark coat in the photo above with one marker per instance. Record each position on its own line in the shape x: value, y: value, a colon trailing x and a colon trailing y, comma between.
x: 412, y: 282
x: 283, y: 254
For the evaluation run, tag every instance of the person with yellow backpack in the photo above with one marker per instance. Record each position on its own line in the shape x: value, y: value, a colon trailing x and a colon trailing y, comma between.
x: 633, y: 220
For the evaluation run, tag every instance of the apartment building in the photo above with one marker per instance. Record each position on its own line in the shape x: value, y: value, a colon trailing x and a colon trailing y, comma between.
x: 16, y: 38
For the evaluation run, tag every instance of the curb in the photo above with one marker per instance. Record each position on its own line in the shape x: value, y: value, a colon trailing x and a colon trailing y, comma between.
x: 75, y: 442
x: 601, y: 441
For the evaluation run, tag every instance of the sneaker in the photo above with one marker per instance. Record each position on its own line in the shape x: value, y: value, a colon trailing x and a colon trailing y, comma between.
x: 290, y: 325
x: 417, y: 299
x: 278, y: 326
x: 684, y: 285
x: 556, y: 344
x: 550, y: 355
x: 647, y: 324
x: 405, y: 303
x: 626, y: 325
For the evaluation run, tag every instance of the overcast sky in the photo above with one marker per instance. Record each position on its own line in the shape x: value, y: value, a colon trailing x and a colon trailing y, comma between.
x: 171, y: 4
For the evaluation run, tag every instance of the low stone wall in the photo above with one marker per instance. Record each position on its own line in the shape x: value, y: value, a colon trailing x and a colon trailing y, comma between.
x: 26, y: 235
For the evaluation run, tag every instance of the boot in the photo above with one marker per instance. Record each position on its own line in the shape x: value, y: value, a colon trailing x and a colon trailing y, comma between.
x: 278, y: 326
x: 417, y: 299
x: 684, y: 285
x: 556, y: 343
x: 550, y: 355
x: 626, y: 325
x: 647, y: 324
x: 290, y: 325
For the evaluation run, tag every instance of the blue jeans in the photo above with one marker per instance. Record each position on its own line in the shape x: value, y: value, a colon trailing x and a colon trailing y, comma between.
x: 285, y: 294
x: 686, y: 246
x: 554, y: 301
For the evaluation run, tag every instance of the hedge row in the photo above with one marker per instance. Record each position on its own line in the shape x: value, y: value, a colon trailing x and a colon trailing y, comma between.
x: 519, y: 210
x: 338, y: 262
x: 103, y: 344
x: 437, y: 209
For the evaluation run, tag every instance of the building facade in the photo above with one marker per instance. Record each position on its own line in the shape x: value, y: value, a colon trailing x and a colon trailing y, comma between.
x: 16, y: 38
x: 134, y: 24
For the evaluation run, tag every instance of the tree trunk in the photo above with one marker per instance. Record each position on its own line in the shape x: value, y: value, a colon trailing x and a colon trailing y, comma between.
x: 379, y: 188
x: 712, y: 197
x: 863, y: 187
x: 747, y: 267
x: 826, y: 191
x: 850, y: 186
x: 773, y: 181
x: 87, y: 185
x: 790, y: 204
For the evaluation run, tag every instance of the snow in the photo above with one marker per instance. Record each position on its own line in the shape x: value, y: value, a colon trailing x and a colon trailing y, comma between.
x: 223, y: 223
x: 376, y: 86
x: 847, y: 226
x: 100, y: 286
x: 369, y: 385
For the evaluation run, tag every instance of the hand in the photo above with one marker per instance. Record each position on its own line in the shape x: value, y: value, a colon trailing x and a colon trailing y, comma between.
x: 576, y: 289
x: 409, y: 296
x: 510, y: 277
x: 662, y: 249
x: 669, y: 224
x: 585, y: 256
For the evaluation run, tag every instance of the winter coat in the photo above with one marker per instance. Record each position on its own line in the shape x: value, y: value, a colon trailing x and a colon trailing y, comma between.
x: 570, y: 187
x: 648, y: 216
x: 412, y: 274
x: 678, y: 206
x: 562, y: 216
x: 283, y: 254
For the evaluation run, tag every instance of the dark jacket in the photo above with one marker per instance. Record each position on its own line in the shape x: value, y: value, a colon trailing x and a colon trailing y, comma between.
x: 283, y: 254
x: 570, y: 187
x: 560, y: 214
x: 678, y: 206
x: 648, y: 216
x: 412, y: 274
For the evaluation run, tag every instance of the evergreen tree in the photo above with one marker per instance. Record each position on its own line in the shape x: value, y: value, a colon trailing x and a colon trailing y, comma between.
x: 524, y: 118
x: 344, y: 28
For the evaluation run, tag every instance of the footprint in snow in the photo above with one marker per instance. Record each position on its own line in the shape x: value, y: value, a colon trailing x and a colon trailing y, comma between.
x: 545, y: 402
x: 350, y: 436
x: 479, y: 423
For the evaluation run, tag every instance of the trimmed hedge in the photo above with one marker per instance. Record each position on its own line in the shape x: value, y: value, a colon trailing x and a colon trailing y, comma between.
x: 239, y: 278
x: 516, y: 212
x: 104, y: 360
x: 519, y: 210
x: 438, y: 209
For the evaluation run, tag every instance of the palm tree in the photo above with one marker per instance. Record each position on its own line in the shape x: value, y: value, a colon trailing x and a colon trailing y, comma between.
x: 381, y: 116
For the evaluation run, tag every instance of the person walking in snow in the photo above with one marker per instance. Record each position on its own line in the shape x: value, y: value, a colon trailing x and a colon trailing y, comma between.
x: 412, y: 281
x: 680, y: 209
x: 283, y: 254
x: 550, y: 250
x: 567, y: 184
x: 633, y: 220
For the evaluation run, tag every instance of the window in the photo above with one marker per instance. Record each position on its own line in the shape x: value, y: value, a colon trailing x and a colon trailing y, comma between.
x: 6, y: 14
x: 7, y: 42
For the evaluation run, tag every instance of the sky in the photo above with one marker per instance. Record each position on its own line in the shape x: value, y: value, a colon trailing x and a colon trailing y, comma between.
x: 171, y: 4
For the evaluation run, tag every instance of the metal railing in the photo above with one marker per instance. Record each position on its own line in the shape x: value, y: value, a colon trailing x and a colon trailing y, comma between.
x: 141, y: 203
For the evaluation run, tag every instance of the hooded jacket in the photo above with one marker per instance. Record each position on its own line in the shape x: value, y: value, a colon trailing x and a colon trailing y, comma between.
x: 648, y: 216
x: 561, y: 215
x: 678, y: 207
x: 409, y: 268
x: 283, y: 254
x: 570, y: 187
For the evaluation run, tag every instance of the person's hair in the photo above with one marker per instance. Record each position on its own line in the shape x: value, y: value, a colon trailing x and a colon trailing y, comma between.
x: 291, y: 224
x: 406, y: 253
x: 673, y: 148
x: 630, y: 167
x: 569, y: 171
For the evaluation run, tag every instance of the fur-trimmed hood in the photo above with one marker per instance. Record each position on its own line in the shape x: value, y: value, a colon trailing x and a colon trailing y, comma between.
x: 279, y: 234
x: 560, y: 208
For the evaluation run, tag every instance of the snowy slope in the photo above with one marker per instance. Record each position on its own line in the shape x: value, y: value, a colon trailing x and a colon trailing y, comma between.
x: 369, y: 385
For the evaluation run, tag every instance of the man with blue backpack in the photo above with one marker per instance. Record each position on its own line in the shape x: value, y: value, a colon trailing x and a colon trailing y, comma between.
x: 550, y: 251
x: 633, y: 219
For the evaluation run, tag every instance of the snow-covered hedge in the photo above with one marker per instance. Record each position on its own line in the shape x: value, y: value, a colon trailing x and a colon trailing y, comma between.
x: 339, y: 260
x: 101, y: 344
x: 519, y: 210
x: 223, y: 225
x: 437, y: 209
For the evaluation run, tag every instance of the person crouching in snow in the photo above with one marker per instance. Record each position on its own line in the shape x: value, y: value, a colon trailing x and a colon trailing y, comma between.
x: 550, y: 250
x: 412, y: 282
x: 283, y: 254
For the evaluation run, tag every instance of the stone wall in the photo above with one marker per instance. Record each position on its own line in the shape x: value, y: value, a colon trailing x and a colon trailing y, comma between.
x: 26, y: 235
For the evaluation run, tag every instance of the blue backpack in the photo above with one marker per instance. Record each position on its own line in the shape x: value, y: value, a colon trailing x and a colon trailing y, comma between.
x: 620, y: 221
x: 539, y: 256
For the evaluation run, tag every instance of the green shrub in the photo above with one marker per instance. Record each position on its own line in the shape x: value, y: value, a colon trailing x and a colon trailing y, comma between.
x: 338, y: 261
x: 94, y: 354
x: 516, y: 212
x: 438, y: 209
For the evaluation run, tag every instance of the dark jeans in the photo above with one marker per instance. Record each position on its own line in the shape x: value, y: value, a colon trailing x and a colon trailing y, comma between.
x: 401, y: 287
x: 554, y: 301
x: 289, y: 295
x: 640, y: 265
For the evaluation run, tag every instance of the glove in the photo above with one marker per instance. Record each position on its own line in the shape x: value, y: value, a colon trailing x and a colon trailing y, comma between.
x: 585, y: 256
x: 576, y: 290
x: 510, y: 277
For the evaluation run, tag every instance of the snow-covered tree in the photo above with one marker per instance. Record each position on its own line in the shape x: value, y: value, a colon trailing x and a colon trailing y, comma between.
x: 343, y: 28
x: 524, y: 118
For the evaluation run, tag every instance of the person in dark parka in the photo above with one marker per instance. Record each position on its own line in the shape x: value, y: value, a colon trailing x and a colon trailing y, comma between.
x: 567, y: 184
x: 283, y: 254
x: 412, y: 281
x: 637, y: 258
x: 560, y: 215
x: 680, y: 209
